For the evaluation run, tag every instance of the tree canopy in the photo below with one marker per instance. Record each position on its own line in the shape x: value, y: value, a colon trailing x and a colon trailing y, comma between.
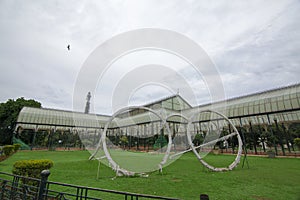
x: 9, y: 112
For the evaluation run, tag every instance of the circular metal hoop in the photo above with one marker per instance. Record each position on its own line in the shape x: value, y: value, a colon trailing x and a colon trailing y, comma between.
x: 112, y: 163
x: 122, y: 171
x: 235, y: 133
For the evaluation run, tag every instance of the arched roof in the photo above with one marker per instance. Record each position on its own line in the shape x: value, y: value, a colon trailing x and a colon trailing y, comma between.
x: 44, y: 118
x: 281, y: 103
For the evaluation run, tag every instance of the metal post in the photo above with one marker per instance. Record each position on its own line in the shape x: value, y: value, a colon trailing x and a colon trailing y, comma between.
x: 98, y: 168
x: 44, y: 174
x: 253, y: 137
x: 138, y: 139
x: 288, y: 137
x: 280, y: 136
x: 262, y: 139
x: 33, y: 139
x: 272, y: 134
x: 49, y: 138
x: 244, y: 144
x: 204, y: 197
x: 130, y: 141
x: 4, y: 182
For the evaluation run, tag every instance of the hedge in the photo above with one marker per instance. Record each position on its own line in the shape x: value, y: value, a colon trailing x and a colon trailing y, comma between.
x: 16, y: 147
x: 31, y: 168
x: 8, y: 150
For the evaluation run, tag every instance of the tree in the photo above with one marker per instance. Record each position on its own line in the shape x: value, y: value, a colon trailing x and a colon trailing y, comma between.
x: 198, y: 139
x: 160, y: 142
x: 297, y: 142
x: 124, y: 141
x: 9, y: 112
x: 294, y: 130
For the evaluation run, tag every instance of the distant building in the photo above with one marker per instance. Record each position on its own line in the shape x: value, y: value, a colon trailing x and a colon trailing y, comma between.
x: 278, y: 107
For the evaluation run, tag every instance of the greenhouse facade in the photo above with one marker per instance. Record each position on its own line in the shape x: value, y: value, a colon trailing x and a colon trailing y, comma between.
x: 268, y: 119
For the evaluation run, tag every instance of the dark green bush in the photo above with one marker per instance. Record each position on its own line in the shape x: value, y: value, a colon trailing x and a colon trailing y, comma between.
x: 16, y: 147
x: 297, y: 142
x: 8, y: 150
x: 31, y: 168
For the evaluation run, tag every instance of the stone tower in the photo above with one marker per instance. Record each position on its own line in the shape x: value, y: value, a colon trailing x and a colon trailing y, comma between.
x: 87, y: 106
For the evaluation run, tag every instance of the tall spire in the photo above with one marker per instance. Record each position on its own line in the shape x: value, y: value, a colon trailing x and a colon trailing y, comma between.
x: 87, y: 105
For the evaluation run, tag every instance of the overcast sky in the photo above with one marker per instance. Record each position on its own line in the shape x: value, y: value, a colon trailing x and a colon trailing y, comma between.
x: 254, y: 45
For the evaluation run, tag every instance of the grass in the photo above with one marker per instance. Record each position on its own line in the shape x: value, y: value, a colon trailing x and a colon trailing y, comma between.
x: 265, y: 179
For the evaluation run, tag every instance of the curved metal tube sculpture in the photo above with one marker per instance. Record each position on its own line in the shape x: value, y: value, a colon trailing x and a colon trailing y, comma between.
x: 121, y: 171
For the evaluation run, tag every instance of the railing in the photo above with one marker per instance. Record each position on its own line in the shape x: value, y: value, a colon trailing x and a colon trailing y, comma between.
x: 19, y: 187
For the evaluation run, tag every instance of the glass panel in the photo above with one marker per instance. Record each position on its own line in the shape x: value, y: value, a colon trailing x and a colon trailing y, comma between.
x: 280, y: 117
x: 287, y: 103
x: 297, y: 115
x: 280, y: 98
x: 280, y: 105
x: 235, y: 111
x: 22, y: 117
x: 31, y: 117
x: 250, y: 108
x: 298, y: 94
x: 167, y: 105
x: 230, y: 111
x: 293, y: 95
x: 262, y: 108
x: 274, y: 106
x: 256, y: 109
x: 274, y: 99
x: 286, y: 96
x: 288, y: 117
x: 294, y: 103
x: 240, y: 111
x: 46, y: 117
x: 28, y: 117
x: 268, y: 106
x: 246, y: 111
x: 235, y: 122
x: 52, y: 118
x: 39, y: 118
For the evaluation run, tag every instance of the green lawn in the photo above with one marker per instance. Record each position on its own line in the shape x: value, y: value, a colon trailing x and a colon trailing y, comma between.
x: 266, y: 178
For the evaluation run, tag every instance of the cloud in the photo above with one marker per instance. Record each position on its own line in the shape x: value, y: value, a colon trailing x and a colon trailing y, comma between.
x: 265, y: 59
x: 254, y: 44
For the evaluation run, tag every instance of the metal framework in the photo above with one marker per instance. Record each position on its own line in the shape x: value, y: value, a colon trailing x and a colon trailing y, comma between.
x: 282, y: 104
x: 18, y: 187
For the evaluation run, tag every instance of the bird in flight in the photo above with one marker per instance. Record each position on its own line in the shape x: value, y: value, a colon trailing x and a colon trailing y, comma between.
x: 68, y: 47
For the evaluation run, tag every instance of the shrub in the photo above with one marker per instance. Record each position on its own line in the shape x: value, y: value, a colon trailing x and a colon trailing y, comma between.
x: 160, y: 142
x: 16, y: 147
x: 297, y: 142
x: 8, y: 150
x: 31, y: 168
